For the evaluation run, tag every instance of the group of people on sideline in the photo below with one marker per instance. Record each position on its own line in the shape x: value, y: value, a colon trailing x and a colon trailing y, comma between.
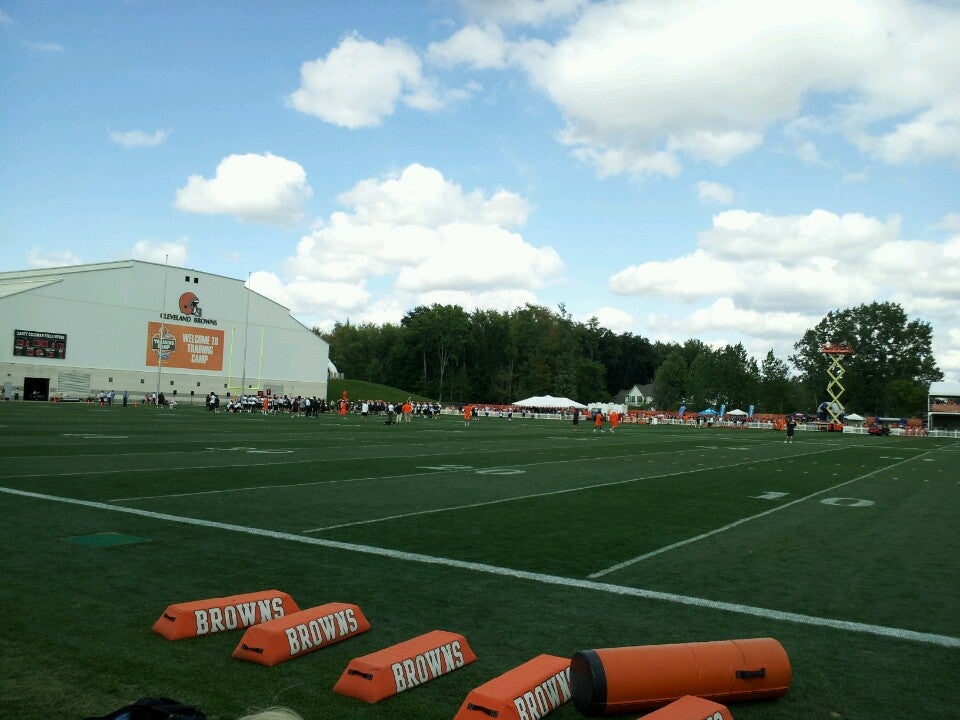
x: 598, y: 419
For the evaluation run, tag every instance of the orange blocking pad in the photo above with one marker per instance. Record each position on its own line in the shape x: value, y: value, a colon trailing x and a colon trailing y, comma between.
x: 629, y: 679
x: 203, y: 617
x: 300, y: 633
x: 691, y: 708
x: 405, y: 665
x: 528, y: 692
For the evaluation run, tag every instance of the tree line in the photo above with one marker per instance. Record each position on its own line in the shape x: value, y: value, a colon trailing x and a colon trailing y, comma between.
x: 495, y: 357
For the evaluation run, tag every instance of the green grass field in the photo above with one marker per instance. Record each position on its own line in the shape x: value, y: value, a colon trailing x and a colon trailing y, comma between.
x: 524, y: 536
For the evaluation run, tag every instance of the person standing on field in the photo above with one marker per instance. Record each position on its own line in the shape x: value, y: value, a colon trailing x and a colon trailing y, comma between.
x: 791, y: 427
x: 598, y: 421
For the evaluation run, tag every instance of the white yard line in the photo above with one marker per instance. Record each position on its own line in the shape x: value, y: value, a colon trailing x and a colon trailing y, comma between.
x: 741, y: 521
x: 247, y: 488
x: 555, y: 580
x: 168, y: 468
x: 532, y: 496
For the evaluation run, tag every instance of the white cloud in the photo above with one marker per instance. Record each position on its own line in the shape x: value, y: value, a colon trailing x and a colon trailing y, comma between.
x: 360, y: 82
x: 615, y: 161
x: 724, y: 315
x: 479, y: 47
x: 37, y: 258
x: 428, y: 237
x: 172, y: 253
x: 856, y: 177
x: 309, y: 297
x: 711, y: 192
x: 479, y: 257
x: 809, y: 153
x: 422, y: 196
x: 5, y: 19
x: 743, y: 235
x: 139, y: 138
x: 808, y: 263
x: 44, y: 47
x: 613, y: 319
x: 642, y: 85
x: 522, y: 12
x: 716, y: 146
x: 505, y: 300
x: 951, y: 221
x: 934, y: 133
x: 768, y: 278
x: 686, y: 278
x: 256, y: 188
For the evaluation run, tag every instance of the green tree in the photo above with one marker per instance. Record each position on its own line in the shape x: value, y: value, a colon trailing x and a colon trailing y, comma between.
x: 701, y: 389
x: 669, y: 381
x: 591, y: 382
x: 356, y: 350
x: 736, y: 376
x: 635, y: 362
x: 775, y: 394
x: 490, y: 357
x: 536, y: 342
x: 889, y: 350
x: 439, y: 334
x: 691, y: 348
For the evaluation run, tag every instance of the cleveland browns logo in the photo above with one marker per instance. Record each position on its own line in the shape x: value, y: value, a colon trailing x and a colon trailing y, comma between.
x: 190, y: 305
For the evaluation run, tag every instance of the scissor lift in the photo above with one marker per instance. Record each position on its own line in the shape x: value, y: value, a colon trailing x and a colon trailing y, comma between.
x: 835, y: 352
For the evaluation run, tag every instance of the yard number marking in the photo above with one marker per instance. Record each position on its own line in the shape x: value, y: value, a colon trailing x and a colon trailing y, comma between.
x: 253, y: 450
x: 482, y: 471
x: 847, y: 502
x: 771, y: 495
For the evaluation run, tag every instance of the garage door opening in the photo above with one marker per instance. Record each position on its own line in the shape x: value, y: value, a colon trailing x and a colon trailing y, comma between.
x: 36, y: 388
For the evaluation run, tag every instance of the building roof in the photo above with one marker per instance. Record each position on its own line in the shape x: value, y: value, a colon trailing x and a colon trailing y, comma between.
x: 945, y: 388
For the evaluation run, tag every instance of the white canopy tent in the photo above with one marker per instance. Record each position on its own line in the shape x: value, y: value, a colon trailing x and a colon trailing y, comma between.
x: 737, y: 413
x: 549, y: 401
x: 607, y: 408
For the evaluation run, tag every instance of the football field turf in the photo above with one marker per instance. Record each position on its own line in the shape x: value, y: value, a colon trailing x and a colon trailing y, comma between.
x: 523, y: 536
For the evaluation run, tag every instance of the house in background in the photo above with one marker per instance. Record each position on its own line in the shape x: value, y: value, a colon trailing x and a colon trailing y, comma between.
x: 637, y: 396
x: 943, y: 406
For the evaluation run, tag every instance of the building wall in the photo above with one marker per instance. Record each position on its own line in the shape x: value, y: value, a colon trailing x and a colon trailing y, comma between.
x: 228, y: 338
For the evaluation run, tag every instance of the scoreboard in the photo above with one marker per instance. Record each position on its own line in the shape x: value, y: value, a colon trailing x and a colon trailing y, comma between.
x: 30, y: 343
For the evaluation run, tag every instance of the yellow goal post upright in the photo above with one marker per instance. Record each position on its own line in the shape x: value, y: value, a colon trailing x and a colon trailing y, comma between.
x: 835, y: 352
x: 241, y: 389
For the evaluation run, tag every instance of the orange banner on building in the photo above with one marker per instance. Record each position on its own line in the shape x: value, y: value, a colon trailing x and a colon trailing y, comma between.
x: 184, y: 346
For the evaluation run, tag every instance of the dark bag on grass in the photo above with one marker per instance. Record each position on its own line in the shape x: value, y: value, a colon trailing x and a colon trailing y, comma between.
x: 154, y: 709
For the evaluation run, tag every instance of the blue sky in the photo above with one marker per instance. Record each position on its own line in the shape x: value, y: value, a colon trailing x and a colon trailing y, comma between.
x: 676, y: 168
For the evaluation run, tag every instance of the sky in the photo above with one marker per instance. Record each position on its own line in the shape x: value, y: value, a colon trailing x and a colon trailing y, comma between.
x: 729, y: 171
